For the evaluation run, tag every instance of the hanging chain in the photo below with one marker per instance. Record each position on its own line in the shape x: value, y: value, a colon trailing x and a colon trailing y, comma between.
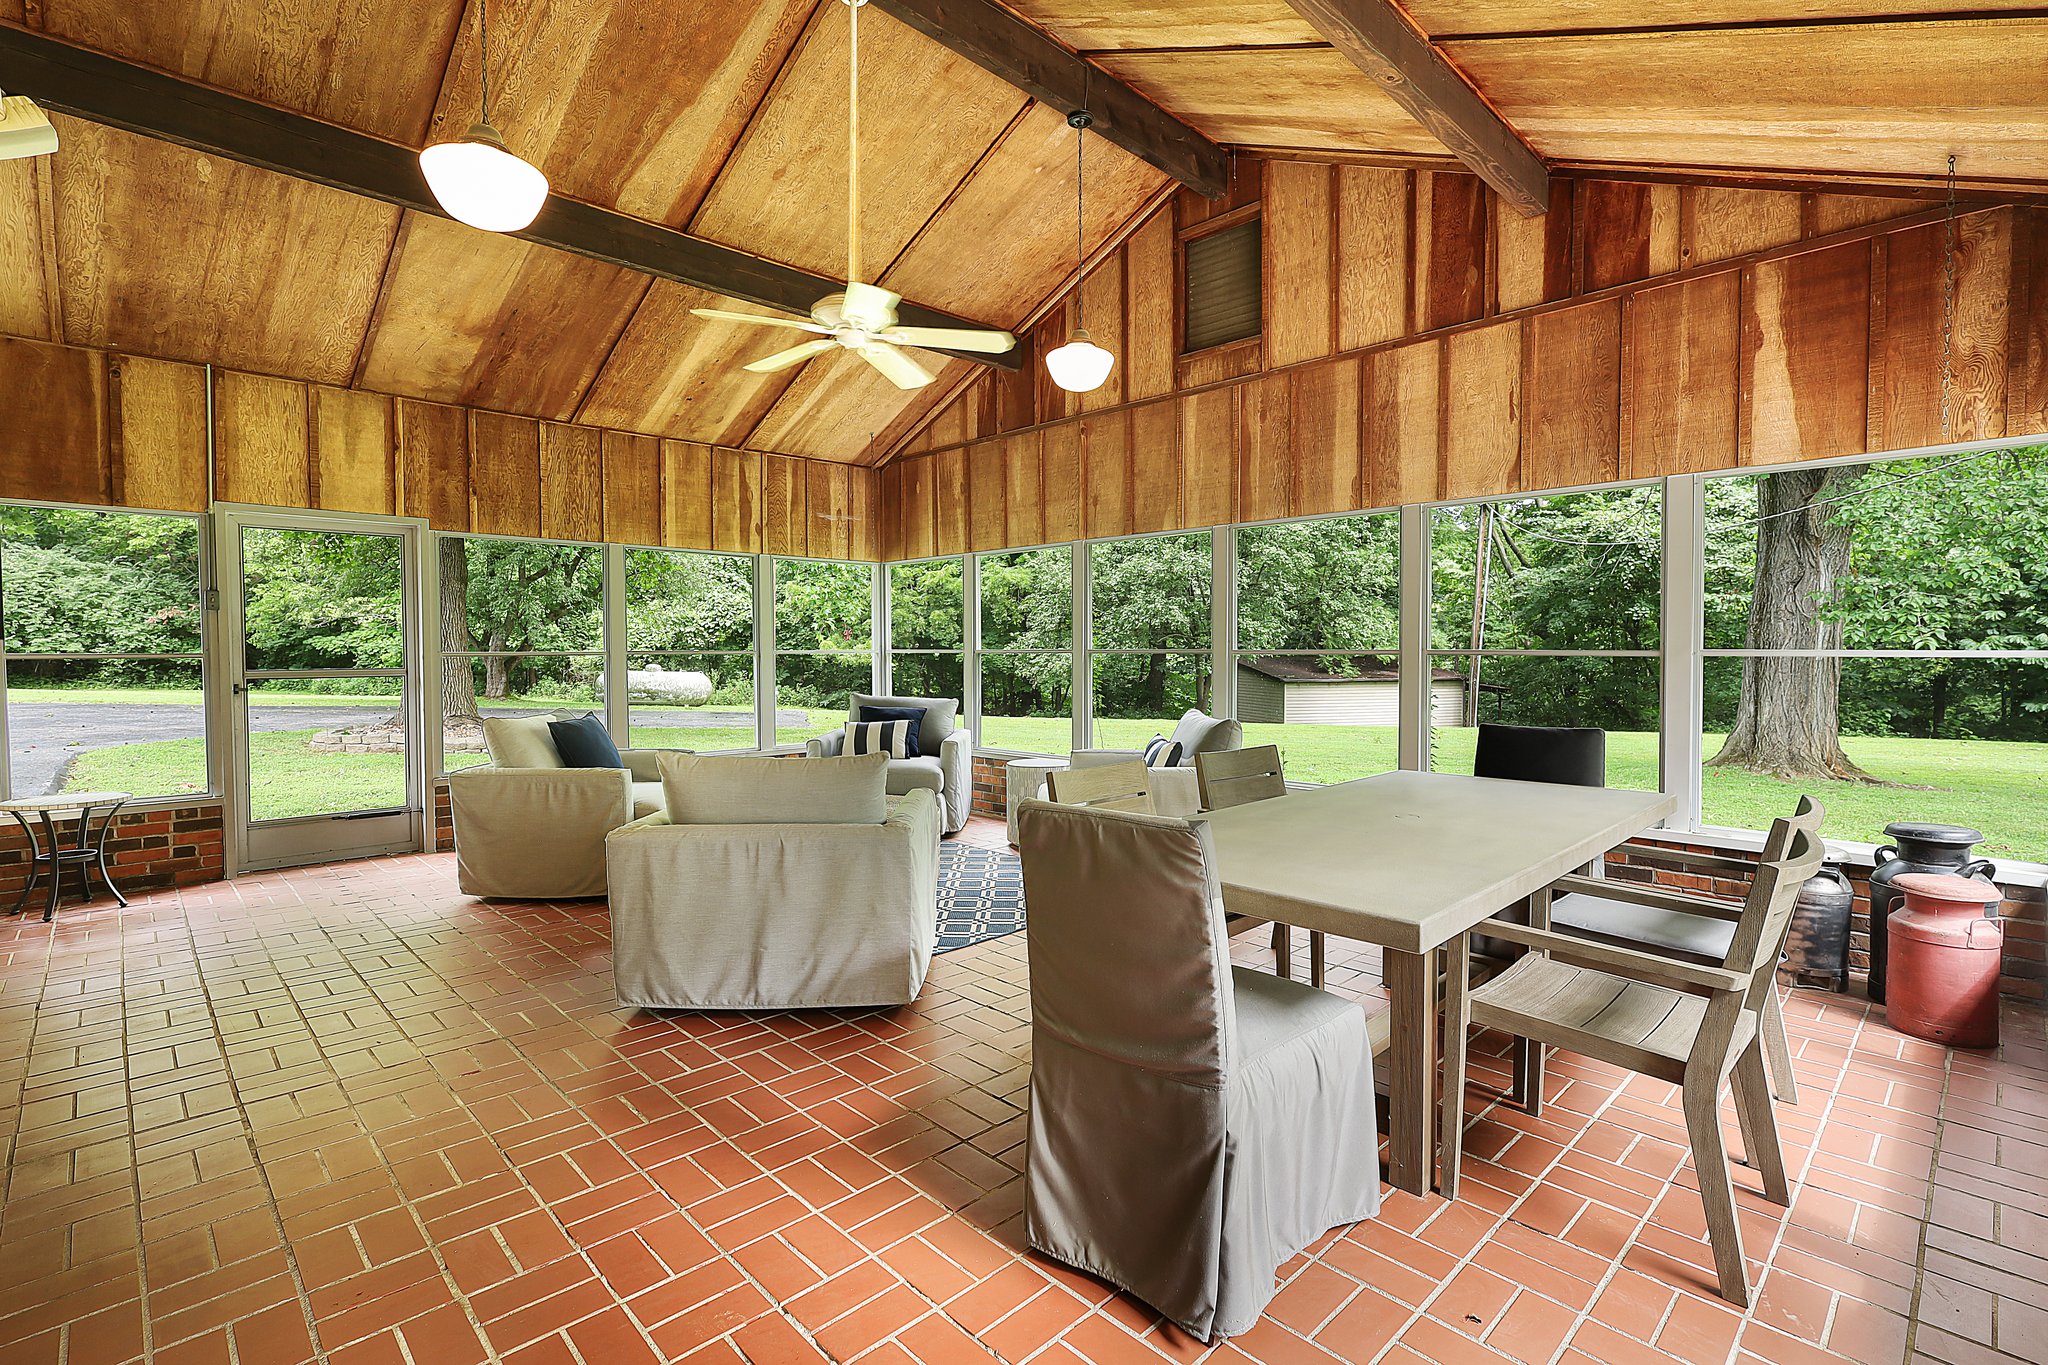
x: 483, y: 56
x: 853, y: 140
x: 1948, y: 307
x: 1080, y: 251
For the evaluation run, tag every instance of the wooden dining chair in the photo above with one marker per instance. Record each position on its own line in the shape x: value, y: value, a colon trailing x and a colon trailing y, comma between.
x: 1237, y: 777
x: 1690, y: 1025
x: 1107, y: 786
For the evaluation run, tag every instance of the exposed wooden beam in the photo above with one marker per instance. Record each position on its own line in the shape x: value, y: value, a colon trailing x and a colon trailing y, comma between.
x: 1038, y: 64
x: 1380, y: 40
x: 105, y: 90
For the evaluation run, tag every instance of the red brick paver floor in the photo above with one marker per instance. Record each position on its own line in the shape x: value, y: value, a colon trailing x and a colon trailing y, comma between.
x: 345, y: 1114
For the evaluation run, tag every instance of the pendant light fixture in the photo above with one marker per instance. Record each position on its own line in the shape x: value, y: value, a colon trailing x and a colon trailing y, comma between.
x: 1080, y: 366
x: 475, y: 178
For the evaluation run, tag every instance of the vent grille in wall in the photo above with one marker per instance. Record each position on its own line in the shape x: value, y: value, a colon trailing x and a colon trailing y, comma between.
x: 1222, y: 302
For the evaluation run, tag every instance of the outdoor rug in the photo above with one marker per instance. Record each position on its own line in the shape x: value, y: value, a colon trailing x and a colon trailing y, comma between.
x: 981, y: 894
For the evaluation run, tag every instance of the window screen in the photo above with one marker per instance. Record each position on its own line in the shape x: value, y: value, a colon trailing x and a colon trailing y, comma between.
x: 1222, y: 280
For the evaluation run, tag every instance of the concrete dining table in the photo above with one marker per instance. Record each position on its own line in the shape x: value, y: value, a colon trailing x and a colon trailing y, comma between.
x: 1408, y: 861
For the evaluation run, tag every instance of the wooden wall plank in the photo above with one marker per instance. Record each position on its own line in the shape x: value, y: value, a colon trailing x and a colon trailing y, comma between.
x: 1722, y: 222
x: 160, y: 434
x: 1374, y: 217
x: 571, y: 482
x: 1805, y: 355
x: 986, y: 494
x: 782, y: 506
x: 1024, y: 500
x: 1828, y: 213
x: 1106, y: 462
x: 260, y: 443
x: 735, y: 501
x: 353, y: 458
x: 632, y: 489
x: 1533, y: 256
x: 1482, y: 399
x: 1631, y: 231
x: 1328, y: 456
x: 433, y: 460
x: 864, y: 514
x: 1451, y: 231
x: 686, y: 496
x: 1150, y: 297
x: 1265, y: 487
x: 1299, y: 288
x: 1220, y: 363
x: 1571, y: 392
x: 1061, y: 477
x: 895, y: 512
x: 1155, y: 468
x: 2026, y: 397
x: 1209, y: 436
x: 1102, y: 312
x: 57, y: 446
x: 920, y: 520
x: 950, y: 510
x: 1906, y: 399
x: 828, y: 509
x: 1401, y: 420
x: 1682, y: 341
x: 504, y: 474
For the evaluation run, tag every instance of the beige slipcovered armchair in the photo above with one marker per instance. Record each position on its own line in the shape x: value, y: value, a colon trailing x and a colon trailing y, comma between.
x: 775, y: 884
x: 1175, y: 790
x: 945, y: 767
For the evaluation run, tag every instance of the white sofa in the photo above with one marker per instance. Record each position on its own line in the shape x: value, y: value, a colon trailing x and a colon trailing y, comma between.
x: 1174, y: 789
x: 778, y: 884
x: 946, y: 767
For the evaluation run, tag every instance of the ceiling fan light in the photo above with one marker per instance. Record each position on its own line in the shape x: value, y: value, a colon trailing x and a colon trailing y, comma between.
x: 1080, y: 366
x: 479, y: 182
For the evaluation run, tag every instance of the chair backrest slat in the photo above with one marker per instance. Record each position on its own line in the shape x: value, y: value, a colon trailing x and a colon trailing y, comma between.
x: 1793, y: 854
x: 1105, y: 786
x: 1235, y: 777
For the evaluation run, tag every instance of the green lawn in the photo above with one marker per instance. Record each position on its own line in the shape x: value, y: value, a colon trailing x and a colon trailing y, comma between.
x: 2000, y: 788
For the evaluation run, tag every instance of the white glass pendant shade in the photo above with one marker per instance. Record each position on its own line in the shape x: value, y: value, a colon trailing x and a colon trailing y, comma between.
x: 482, y: 184
x: 1080, y: 366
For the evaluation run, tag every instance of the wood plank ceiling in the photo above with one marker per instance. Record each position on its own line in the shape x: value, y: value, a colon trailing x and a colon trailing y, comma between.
x: 724, y: 120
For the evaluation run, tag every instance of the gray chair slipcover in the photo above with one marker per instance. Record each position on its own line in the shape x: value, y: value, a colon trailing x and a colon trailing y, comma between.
x: 946, y: 767
x: 1193, y: 1126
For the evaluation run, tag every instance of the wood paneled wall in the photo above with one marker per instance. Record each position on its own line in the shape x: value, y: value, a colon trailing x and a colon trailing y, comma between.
x: 1422, y: 342
x: 95, y: 427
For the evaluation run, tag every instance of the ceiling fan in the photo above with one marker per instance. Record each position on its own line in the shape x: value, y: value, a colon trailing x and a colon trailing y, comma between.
x: 862, y: 317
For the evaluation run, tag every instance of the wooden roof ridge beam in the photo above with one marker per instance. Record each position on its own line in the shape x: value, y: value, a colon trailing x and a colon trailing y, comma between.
x: 117, y: 94
x: 1379, y: 38
x: 1046, y: 69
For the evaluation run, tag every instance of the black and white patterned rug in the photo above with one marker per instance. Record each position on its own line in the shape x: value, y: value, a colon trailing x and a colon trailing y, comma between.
x: 981, y: 894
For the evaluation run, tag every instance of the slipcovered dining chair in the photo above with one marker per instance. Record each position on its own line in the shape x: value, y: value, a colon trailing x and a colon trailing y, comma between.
x: 1108, y: 786
x: 1193, y: 1126
x: 1690, y: 1025
x: 1236, y: 777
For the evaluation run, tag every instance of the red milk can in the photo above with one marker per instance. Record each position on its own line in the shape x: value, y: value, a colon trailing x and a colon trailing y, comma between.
x: 1945, y: 950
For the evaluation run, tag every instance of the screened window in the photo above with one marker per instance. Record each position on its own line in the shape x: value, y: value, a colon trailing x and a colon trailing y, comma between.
x: 1546, y: 613
x: 690, y: 651
x: 522, y: 632
x: 1318, y: 643
x: 1877, y: 637
x: 928, y: 628
x: 103, y: 633
x: 1026, y: 660
x: 1148, y: 635
x: 824, y: 644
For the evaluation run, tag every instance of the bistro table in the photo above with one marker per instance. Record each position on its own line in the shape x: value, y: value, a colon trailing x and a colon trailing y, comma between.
x: 1409, y: 861
x: 50, y: 853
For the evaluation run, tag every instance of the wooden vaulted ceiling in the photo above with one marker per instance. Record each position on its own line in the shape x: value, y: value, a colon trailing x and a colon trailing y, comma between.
x: 726, y: 120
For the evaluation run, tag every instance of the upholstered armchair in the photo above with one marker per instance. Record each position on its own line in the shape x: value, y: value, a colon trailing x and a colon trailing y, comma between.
x: 945, y: 766
x: 1174, y: 788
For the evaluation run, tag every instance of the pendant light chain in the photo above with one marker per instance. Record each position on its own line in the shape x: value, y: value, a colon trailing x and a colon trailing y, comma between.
x: 1948, y: 307
x: 483, y: 57
x: 1080, y: 250
x: 853, y: 140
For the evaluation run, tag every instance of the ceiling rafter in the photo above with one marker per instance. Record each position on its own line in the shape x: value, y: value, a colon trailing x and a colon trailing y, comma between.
x: 1380, y: 40
x: 106, y: 90
x: 1047, y: 70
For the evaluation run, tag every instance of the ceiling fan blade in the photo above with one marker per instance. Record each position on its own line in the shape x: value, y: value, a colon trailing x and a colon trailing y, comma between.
x: 953, y: 339
x: 870, y: 307
x: 795, y: 355
x: 721, y: 315
x: 898, y: 368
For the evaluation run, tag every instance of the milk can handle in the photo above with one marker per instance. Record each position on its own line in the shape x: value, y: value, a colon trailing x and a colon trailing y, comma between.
x: 1841, y: 878
x: 1885, y: 853
x: 1987, y: 868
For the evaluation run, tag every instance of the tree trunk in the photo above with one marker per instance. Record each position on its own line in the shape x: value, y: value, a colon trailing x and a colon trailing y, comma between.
x: 1788, y: 719
x: 497, y: 677
x: 458, y: 682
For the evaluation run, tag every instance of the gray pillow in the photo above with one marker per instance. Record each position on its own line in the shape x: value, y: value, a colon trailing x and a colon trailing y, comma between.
x: 1202, y: 734
x: 940, y: 714
x: 746, y: 790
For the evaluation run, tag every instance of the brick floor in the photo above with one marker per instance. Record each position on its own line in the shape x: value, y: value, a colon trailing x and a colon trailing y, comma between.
x: 346, y: 1114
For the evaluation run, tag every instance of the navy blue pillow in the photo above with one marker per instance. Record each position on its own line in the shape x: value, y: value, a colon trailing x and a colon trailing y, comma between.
x: 912, y: 747
x: 585, y: 743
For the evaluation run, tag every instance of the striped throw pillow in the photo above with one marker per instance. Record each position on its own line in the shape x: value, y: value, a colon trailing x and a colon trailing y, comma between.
x: 891, y: 737
x: 1162, y: 753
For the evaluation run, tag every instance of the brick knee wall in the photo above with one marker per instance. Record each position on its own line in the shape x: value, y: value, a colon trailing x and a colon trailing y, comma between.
x: 148, y: 849
x: 991, y: 787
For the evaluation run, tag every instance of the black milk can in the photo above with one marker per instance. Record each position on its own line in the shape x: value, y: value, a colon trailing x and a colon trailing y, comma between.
x: 1920, y: 848
x: 1819, y: 941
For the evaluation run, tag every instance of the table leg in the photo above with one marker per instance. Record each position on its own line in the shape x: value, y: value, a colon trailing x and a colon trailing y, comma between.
x: 1315, y: 958
x: 1529, y: 1057
x: 1411, y: 1083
